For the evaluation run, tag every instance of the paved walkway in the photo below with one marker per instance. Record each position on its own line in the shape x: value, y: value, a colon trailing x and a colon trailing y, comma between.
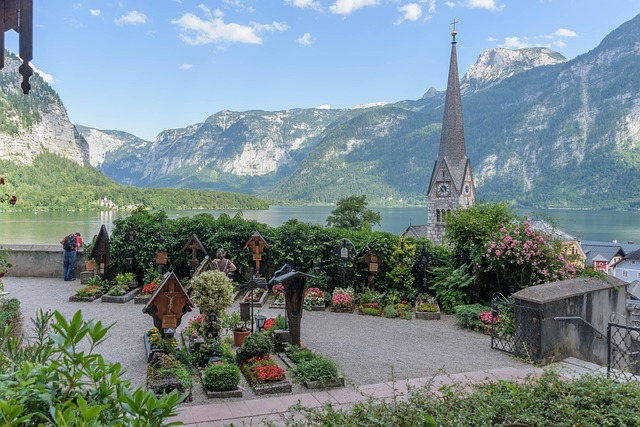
x: 276, y: 409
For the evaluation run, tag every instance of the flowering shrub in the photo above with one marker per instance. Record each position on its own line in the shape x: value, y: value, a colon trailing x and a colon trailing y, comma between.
x: 269, y: 323
x: 266, y: 369
x: 6, y: 198
x: 521, y: 256
x: 487, y: 318
x: 342, y: 298
x: 195, y: 327
x: 278, y: 292
x: 370, y: 308
x: 149, y: 288
x: 314, y: 297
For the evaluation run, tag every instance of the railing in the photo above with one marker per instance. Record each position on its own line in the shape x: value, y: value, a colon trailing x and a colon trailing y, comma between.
x: 516, y: 329
x: 623, y: 352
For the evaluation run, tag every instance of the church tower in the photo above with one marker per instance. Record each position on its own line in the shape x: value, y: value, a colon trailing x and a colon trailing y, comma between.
x: 451, y: 185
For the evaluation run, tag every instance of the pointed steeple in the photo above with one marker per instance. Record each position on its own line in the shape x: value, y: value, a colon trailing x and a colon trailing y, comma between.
x: 452, y: 146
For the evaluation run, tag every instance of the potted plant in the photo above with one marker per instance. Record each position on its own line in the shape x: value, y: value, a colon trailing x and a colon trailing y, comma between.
x: 314, y: 300
x: 342, y: 300
x: 90, y: 265
x: 232, y: 322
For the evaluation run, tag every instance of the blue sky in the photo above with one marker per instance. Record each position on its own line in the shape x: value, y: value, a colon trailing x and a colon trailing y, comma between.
x: 145, y: 66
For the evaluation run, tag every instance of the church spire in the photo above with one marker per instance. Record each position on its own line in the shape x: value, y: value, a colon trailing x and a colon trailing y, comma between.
x: 452, y: 146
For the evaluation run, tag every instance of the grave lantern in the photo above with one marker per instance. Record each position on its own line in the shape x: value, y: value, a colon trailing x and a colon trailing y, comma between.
x: 168, y: 304
x: 257, y: 244
x: 161, y: 260
x: 194, y: 244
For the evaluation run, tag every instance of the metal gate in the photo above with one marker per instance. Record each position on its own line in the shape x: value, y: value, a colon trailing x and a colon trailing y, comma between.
x: 516, y: 329
x: 623, y: 352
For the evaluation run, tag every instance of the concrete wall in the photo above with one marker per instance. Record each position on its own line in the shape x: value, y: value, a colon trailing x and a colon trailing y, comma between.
x: 594, y: 300
x: 40, y: 261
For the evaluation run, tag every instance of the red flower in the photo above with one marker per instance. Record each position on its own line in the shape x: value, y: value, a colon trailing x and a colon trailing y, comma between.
x: 2, y: 181
x: 13, y: 200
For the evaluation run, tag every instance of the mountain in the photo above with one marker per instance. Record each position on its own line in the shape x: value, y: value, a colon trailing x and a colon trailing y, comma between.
x: 540, y: 130
x: 36, y: 123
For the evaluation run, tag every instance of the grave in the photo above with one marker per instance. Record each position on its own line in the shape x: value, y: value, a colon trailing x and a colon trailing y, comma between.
x: 168, y: 304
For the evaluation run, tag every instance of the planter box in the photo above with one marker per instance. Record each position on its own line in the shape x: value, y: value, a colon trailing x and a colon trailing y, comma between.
x: 318, y: 308
x: 265, y: 388
x: 141, y: 299
x: 160, y: 387
x: 339, y: 382
x: 75, y: 298
x: 263, y: 299
x: 121, y: 299
x: 341, y: 309
x: 223, y: 394
x: 426, y: 315
x: 147, y: 346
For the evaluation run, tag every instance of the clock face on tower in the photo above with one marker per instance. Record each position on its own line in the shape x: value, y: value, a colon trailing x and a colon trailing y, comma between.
x: 443, y: 189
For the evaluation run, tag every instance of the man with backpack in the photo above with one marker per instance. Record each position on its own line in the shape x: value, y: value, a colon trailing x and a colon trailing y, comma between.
x: 70, y: 245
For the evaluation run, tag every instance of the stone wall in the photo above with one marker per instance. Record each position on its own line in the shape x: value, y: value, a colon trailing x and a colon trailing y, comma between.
x: 563, y: 304
x: 39, y: 261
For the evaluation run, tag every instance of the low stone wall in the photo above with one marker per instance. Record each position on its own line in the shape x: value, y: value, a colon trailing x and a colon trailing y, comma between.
x: 40, y: 261
x: 563, y: 304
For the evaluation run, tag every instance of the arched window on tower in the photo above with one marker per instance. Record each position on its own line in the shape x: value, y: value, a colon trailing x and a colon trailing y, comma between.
x: 438, y: 215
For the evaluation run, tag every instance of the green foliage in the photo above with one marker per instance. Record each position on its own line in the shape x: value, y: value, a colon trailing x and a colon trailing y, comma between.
x: 401, y: 262
x: 469, y: 315
x: 58, y: 378
x: 390, y: 311
x: 370, y: 311
x: 316, y: 369
x: 451, y: 286
x: 352, y: 213
x: 53, y: 183
x: 369, y: 295
x: 545, y: 400
x: 214, y: 348
x: 215, y: 292
x: 118, y: 290
x: 255, y: 345
x: 221, y: 377
x: 123, y: 279
x: 299, y: 354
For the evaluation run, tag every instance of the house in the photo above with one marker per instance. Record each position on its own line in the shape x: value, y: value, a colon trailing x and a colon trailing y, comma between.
x: 604, y: 255
x: 628, y: 268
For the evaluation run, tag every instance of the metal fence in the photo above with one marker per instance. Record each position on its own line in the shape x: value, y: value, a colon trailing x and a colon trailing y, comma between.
x: 623, y: 352
x: 516, y: 329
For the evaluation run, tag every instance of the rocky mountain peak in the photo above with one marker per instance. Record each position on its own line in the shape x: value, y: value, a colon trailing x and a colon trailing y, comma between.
x: 495, y: 65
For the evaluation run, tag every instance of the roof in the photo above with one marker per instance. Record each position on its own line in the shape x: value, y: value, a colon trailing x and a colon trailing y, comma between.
x: 633, y: 255
x: 417, y: 231
x: 599, y: 258
x: 606, y: 252
x: 626, y: 247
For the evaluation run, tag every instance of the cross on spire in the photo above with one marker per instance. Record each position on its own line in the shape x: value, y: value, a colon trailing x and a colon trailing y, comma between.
x: 454, y: 32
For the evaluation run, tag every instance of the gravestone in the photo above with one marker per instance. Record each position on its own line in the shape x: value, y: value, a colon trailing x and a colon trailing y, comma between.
x: 168, y: 304
x: 194, y: 245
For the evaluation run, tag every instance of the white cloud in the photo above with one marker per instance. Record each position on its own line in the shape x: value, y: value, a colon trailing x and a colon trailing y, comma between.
x: 476, y: 4
x: 197, y: 31
x: 411, y: 12
x: 305, y: 39
x: 432, y: 5
x: 185, y: 67
x: 514, y: 43
x: 492, y: 39
x: 305, y: 4
x: 323, y: 107
x: 94, y: 12
x: 563, y: 32
x: 134, y: 17
x: 559, y: 43
x: 346, y: 7
x: 45, y: 76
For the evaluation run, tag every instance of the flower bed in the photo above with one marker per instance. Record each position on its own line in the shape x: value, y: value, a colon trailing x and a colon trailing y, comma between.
x: 120, y: 299
x: 259, y: 297
x: 342, y: 300
x: 314, y: 300
x: 311, y: 369
x: 370, y: 309
x: 265, y: 376
x: 277, y: 293
x: 427, y: 308
x: 155, y: 345
x: 166, y: 373
x: 145, y: 293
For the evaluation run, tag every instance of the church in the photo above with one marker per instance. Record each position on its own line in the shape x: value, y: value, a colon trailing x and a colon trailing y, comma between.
x: 451, y: 186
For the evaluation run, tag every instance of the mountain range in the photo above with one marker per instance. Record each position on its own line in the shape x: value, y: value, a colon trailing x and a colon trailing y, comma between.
x: 541, y: 130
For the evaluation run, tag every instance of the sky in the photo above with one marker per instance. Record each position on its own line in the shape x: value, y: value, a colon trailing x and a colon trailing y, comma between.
x: 144, y: 66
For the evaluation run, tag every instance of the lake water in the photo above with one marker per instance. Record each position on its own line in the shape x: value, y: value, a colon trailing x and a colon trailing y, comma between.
x: 50, y: 227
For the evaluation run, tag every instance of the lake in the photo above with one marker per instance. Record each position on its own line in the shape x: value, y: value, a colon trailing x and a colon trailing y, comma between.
x: 51, y: 227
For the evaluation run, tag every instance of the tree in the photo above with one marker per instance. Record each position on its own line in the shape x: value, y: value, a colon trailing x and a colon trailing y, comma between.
x: 351, y: 212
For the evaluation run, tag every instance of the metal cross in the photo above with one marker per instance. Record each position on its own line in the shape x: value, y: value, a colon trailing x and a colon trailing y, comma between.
x: 454, y: 23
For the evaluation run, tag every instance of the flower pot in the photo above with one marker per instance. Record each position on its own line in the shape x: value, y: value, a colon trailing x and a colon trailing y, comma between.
x: 90, y: 265
x: 239, y: 336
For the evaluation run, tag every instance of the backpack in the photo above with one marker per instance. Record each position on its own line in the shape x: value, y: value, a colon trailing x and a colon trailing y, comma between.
x: 69, y: 242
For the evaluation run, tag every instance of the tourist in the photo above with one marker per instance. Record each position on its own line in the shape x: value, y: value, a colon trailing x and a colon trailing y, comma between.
x: 70, y: 245
x: 222, y: 264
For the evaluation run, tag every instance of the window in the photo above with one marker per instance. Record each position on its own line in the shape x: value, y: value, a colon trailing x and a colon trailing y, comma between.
x: 624, y: 273
x: 438, y: 215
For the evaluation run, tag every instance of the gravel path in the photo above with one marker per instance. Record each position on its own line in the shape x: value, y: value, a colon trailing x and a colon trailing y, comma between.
x: 368, y: 349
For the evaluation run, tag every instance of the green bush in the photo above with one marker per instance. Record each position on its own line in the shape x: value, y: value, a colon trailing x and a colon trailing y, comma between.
x: 449, y: 300
x: 390, y: 311
x: 369, y: 295
x: 255, y: 345
x: 316, y: 369
x: 299, y: 354
x: 371, y: 311
x: 58, y: 378
x: 10, y: 315
x: 221, y: 377
x: 469, y: 315
x: 214, y: 348
x: 118, y: 290
x: 123, y: 279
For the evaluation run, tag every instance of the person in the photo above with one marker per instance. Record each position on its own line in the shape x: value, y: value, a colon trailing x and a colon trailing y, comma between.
x: 69, y: 257
x: 222, y: 264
